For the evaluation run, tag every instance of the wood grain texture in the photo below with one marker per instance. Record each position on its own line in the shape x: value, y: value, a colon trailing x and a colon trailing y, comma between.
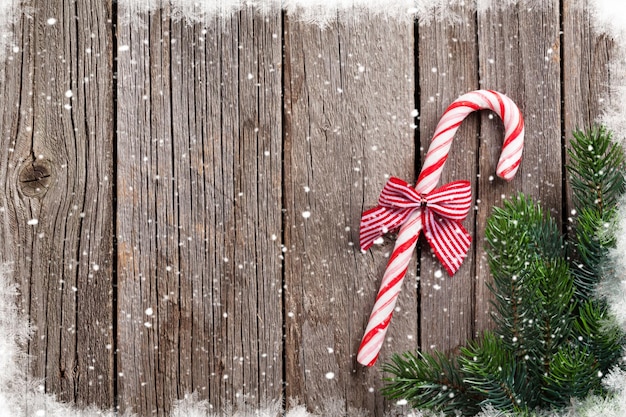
x: 519, y: 55
x: 200, y: 211
x: 448, y: 68
x: 347, y: 129
x: 239, y: 187
x: 586, y: 57
x: 147, y: 220
x: 57, y: 192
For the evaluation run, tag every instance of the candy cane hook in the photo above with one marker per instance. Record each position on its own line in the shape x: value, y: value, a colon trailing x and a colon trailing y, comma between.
x: 438, y: 212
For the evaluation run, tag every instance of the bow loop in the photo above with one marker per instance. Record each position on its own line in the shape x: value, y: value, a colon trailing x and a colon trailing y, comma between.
x: 452, y: 200
x: 396, y: 203
x: 398, y: 193
x: 442, y: 210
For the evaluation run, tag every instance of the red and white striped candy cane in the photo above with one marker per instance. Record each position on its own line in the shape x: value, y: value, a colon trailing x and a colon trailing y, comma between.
x: 412, y: 221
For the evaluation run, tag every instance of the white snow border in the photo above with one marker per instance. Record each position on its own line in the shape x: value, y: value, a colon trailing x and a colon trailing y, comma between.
x: 20, y: 395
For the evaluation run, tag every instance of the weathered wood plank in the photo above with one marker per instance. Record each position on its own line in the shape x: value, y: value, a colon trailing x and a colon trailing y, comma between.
x: 519, y: 55
x: 57, y: 192
x: 586, y: 73
x: 249, y: 296
x: 347, y: 129
x: 586, y: 56
x: 448, y: 67
x: 147, y: 234
x: 200, y: 211
x: 260, y: 216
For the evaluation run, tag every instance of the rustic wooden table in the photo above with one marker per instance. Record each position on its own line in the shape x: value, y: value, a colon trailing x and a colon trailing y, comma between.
x: 197, y: 189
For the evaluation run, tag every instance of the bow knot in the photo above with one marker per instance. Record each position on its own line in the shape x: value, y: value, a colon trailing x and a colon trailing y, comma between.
x: 442, y: 211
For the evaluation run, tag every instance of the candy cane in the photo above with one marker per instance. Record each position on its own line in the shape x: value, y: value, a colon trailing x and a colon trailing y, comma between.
x: 438, y: 212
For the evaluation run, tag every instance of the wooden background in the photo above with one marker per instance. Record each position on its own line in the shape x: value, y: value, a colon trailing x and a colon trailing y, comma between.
x: 156, y: 178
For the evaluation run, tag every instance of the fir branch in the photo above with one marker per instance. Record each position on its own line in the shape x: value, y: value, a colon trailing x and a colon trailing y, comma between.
x: 591, y: 248
x: 573, y: 374
x: 554, y: 307
x: 521, y: 240
x: 596, y: 331
x: 492, y: 370
x: 429, y: 381
x: 596, y: 168
x: 598, y: 181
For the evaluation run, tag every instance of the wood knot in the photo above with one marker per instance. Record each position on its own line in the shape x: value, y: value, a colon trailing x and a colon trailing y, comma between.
x: 35, y: 177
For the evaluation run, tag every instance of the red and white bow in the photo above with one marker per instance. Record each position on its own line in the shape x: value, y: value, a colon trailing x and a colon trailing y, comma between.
x: 442, y: 211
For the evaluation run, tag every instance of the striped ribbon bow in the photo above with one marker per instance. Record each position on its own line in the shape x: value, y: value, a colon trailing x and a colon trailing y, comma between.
x: 442, y: 211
